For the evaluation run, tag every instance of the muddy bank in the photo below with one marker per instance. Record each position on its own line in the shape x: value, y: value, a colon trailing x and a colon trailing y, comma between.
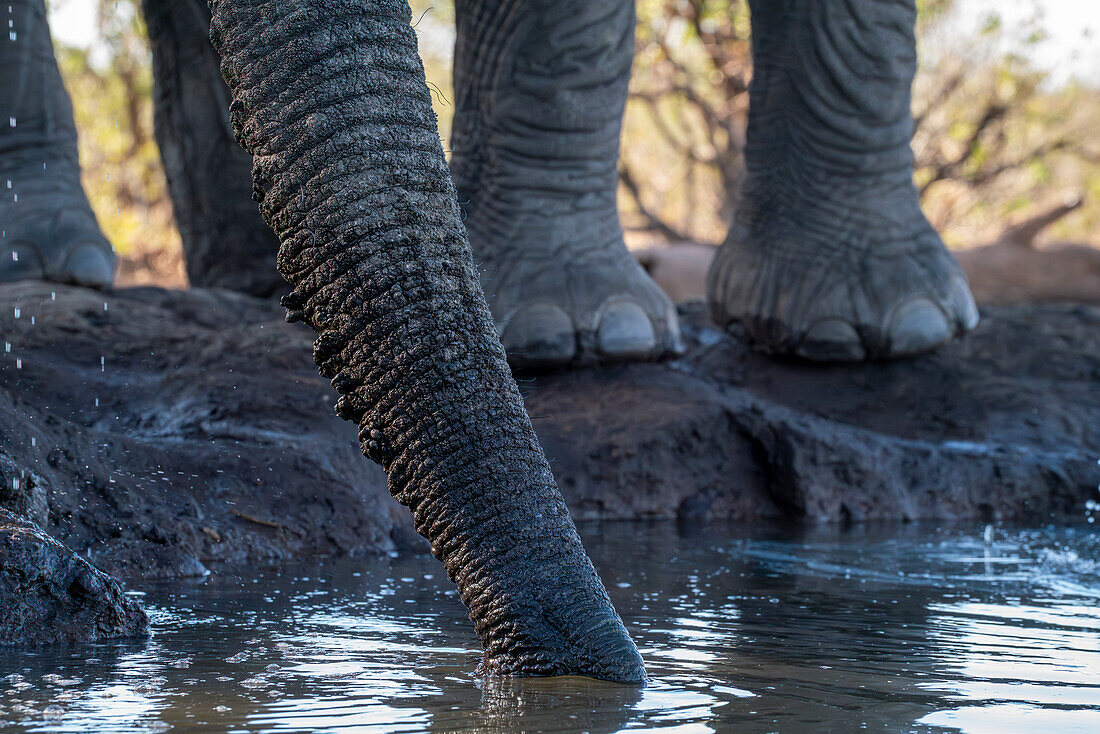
x: 1004, y: 425
x: 168, y: 429
x: 49, y: 595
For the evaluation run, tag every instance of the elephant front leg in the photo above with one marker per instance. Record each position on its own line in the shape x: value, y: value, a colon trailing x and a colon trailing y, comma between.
x: 830, y: 256
x: 225, y: 242
x: 47, y: 228
x: 541, y: 88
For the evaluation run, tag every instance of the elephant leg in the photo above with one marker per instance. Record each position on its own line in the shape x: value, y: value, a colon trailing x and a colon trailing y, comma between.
x: 830, y: 256
x: 330, y: 98
x: 225, y: 241
x: 47, y: 228
x: 540, y: 89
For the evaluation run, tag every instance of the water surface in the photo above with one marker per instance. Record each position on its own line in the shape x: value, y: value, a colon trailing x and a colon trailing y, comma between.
x: 886, y: 628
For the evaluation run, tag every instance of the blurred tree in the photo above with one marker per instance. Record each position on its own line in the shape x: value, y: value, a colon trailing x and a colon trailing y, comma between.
x: 994, y: 143
x: 686, y: 117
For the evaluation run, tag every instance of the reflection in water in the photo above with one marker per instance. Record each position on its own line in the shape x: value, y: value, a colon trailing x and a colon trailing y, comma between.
x: 890, y: 628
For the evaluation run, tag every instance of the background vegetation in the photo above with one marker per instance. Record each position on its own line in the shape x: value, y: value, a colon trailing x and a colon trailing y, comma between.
x: 995, y: 142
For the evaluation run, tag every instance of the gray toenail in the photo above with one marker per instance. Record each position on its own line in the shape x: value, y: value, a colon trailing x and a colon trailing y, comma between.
x: 965, y: 309
x: 832, y: 340
x: 539, y: 334
x: 675, y: 339
x: 916, y: 326
x: 625, y: 331
x: 89, y: 264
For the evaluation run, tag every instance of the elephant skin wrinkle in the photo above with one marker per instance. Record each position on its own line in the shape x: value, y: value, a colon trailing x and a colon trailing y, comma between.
x: 331, y: 100
x: 214, y: 439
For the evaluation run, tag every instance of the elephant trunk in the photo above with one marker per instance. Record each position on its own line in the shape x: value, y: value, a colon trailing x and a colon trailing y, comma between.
x: 330, y: 98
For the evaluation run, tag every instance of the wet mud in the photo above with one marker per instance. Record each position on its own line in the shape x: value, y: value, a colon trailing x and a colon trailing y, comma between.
x: 155, y: 431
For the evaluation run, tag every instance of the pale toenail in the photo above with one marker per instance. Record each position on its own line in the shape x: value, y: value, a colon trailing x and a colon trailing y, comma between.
x: 675, y: 339
x: 539, y: 334
x: 20, y: 261
x: 832, y: 340
x: 916, y: 326
x: 625, y: 331
x: 965, y: 309
x: 89, y: 264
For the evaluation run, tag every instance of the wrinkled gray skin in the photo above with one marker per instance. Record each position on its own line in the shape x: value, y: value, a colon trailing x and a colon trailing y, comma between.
x: 329, y: 97
x: 47, y: 228
x: 830, y: 259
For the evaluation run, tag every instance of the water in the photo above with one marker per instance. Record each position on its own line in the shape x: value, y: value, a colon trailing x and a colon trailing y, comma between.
x: 889, y: 628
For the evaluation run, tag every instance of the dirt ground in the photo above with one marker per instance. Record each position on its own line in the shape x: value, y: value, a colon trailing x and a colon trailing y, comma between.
x: 154, y: 431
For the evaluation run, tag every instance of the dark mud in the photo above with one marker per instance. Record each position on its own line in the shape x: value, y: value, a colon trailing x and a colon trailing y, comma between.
x: 174, y: 428
x: 48, y: 594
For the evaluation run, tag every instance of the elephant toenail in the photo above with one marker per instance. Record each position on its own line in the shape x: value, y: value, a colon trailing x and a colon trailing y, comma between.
x: 625, y: 331
x: 676, y: 344
x: 540, y: 334
x: 832, y: 340
x: 916, y: 326
x: 20, y: 261
x: 966, y: 311
x: 89, y: 264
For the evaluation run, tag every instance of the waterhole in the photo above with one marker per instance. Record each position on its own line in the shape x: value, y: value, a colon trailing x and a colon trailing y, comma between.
x: 887, y: 628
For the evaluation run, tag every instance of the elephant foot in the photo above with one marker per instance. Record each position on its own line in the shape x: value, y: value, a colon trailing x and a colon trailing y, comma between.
x: 48, y: 230
x: 559, y: 308
x: 839, y: 282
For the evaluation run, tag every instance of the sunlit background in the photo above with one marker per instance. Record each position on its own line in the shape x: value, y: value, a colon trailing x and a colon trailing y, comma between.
x: 1007, y: 103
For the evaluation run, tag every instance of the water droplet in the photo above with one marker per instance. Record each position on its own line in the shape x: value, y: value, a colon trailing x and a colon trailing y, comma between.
x: 97, y: 402
x: 18, y: 363
x: 11, y: 120
x: 102, y: 364
x: 16, y: 312
x: 14, y: 256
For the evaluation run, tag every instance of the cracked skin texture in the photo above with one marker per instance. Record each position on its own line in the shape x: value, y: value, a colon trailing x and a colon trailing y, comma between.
x: 540, y: 89
x: 330, y: 99
x: 830, y: 257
